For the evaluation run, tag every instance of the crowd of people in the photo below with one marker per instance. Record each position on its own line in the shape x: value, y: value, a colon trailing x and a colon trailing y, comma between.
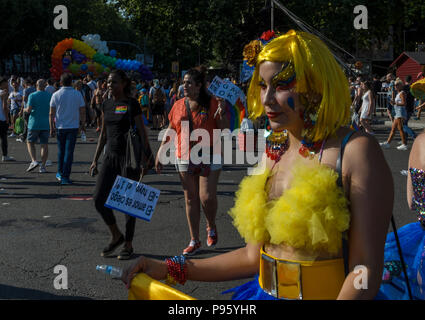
x: 398, y: 101
x: 320, y: 208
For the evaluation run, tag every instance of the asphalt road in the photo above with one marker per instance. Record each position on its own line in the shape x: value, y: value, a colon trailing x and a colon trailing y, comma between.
x: 43, y: 225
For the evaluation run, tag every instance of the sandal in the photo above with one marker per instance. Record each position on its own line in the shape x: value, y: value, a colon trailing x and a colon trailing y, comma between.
x: 125, y: 253
x: 112, y: 246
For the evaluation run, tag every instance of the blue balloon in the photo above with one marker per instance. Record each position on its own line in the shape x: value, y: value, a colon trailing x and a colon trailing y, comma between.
x: 113, y: 53
x: 84, y: 67
x: 66, y: 61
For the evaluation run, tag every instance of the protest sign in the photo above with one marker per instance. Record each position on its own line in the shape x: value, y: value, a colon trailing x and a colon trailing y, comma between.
x: 225, y: 89
x: 133, y: 198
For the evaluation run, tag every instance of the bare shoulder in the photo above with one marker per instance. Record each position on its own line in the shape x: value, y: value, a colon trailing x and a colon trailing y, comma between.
x: 362, y: 145
x: 364, y: 157
x: 419, y: 141
x: 417, y: 154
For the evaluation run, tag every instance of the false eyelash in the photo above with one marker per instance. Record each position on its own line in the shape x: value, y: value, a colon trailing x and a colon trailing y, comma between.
x: 283, y: 85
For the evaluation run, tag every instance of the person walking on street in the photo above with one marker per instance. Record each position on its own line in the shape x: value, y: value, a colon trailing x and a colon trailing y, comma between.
x: 410, y: 107
x: 96, y: 103
x: 78, y: 85
x: 390, y: 96
x: 158, y: 99
x: 50, y: 88
x: 15, y: 102
x: 29, y: 88
x: 119, y: 114
x: 199, y: 183
x: 38, y: 108
x: 368, y: 105
x: 67, y: 107
x: 4, y: 118
x: 399, y: 104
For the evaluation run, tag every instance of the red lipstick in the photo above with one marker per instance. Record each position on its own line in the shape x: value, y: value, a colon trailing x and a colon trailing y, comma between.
x: 272, y: 115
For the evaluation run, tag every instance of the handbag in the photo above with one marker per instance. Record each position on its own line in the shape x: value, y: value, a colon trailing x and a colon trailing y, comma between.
x: 138, y: 155
x: 200, y: 169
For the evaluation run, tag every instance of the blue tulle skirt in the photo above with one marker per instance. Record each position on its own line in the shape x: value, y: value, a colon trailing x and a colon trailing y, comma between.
x: 412, y: 241
x: 250, y: 291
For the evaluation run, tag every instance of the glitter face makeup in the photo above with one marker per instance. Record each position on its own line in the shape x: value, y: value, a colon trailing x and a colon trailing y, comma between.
x: 285, y: 79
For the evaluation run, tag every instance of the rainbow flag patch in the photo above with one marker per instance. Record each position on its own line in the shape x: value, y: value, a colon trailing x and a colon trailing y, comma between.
x: 120, y: 109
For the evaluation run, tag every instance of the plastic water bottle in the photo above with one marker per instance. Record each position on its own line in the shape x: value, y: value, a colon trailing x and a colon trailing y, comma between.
x: 114, y: 272
x: 83, y: 136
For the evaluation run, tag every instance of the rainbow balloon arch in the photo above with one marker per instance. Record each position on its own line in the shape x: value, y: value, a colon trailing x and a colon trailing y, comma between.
x: 81, y: 58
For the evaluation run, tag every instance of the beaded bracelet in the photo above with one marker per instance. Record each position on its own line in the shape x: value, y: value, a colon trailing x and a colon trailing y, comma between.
x: 177, y: 270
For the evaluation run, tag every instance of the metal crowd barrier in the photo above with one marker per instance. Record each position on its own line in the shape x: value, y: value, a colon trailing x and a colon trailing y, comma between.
x: 381, y: 101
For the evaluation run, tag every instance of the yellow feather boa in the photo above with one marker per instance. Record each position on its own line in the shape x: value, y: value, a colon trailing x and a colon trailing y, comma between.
x: 311, y: 214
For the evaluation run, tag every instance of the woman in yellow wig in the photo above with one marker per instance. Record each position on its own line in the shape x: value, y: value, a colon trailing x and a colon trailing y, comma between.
x: 316, y: 213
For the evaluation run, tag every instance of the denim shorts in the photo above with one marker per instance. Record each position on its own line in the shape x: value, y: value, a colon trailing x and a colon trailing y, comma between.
x: 400, y: 112
x: 182, y: 165
x: 14, y: 112
x: 34, y: 135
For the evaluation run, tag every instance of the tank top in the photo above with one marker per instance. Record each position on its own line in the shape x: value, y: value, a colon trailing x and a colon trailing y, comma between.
x: 398, y: 100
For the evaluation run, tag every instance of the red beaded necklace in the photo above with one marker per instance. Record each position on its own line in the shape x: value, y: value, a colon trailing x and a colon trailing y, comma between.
x: 276, y: 145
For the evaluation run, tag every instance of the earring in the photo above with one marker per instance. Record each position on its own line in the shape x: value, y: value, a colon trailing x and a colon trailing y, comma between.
x: 309, y: 116
x: 277, y: 144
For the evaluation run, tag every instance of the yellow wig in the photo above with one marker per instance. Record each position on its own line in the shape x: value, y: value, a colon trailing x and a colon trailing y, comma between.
x: 316, y: 72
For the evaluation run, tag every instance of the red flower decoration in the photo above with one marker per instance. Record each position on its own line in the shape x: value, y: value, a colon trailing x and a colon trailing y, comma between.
x: 267, y: 35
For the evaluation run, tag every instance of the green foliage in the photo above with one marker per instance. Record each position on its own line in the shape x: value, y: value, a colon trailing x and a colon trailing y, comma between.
x: 27, y: 25
x: 212, y: 32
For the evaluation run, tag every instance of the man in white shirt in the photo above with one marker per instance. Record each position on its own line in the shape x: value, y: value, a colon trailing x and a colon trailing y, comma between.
x: 67, y: 108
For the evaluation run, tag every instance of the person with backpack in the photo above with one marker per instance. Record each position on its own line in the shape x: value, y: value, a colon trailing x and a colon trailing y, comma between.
x: 158, y: 99
x: 410, y: 107
x: 144, y: 102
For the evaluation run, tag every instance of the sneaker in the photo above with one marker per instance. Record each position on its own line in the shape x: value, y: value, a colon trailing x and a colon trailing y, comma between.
x: 12, y: 135
x: 65, y: 181
x: 193, y: 248
x: 403, y: 147
x: 33, y: 165
x: 42, y: 169
x: 6, y: 158
x: 19, y: 140
x: 58, y: 177
x: 384, y: 145
x: 212, y: 237
x: 48, y: 163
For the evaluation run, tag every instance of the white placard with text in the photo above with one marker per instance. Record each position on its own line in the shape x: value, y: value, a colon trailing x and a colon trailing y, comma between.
x: 133, y: 198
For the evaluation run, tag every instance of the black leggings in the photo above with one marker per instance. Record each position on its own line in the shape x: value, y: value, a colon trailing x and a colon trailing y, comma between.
x: 3, y: 136
x: 111, y: 167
